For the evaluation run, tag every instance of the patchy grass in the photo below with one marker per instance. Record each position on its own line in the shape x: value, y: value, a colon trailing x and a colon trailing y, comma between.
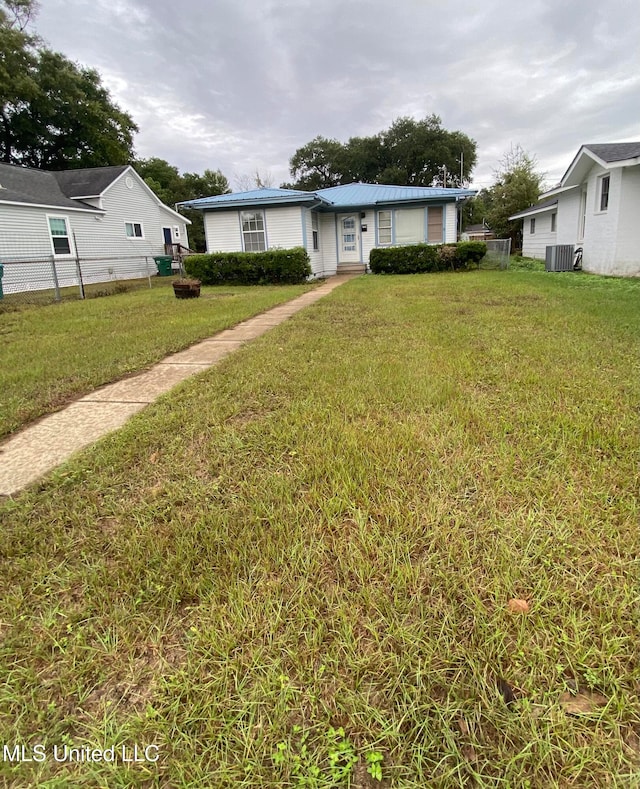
x: 49, y: 355
x: 298, y: 571
x: 519, y: 263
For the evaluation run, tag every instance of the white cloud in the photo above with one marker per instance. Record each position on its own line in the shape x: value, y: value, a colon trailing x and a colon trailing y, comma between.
x: 239, y: 85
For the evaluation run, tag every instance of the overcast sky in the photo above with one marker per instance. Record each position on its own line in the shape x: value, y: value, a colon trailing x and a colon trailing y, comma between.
x: 239, y: 85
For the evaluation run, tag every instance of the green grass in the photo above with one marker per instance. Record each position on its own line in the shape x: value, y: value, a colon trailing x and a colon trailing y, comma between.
x: 49, y: 355
x: 296, y: 570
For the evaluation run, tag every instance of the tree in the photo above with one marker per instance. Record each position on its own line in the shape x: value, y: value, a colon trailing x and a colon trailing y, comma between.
x: 54, y: 113
x: 171, y: 187
x: 17, y: 60
x: 17, y: 14
x: 244, y: 182
x: 162, y: 178
x: 209, y: 184
x: 517, y: 187
x: 422, y: 153
x: 411, y: 152
x: 317, y: 164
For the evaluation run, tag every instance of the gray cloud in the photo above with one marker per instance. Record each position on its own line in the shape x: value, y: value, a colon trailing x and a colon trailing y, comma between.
x: 239, y: 85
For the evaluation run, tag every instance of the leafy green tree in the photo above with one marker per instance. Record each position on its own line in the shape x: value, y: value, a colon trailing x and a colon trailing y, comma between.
x: 69, y: 122
x: 162, y: 178
x: 518, y: 185
x: 209, y: 184
x: 474, y: 210
x: 54, y: 114
x: 316, y: 165
x: 422, y: 153
x: 362, y: 159
x: 17, y: 59
x: 411, y: 152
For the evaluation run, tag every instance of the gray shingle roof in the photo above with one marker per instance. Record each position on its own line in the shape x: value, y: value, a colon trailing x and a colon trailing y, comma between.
x: 615, y: 151
x: 547, y: 204
x: 34, y: 187
x: 88, y: 181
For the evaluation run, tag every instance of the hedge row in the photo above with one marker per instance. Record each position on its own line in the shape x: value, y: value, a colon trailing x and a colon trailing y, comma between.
x: 279, y: 266
x: 416, y: 258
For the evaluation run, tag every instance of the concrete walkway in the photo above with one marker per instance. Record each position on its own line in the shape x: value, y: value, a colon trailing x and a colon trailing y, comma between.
x: 39, y: 448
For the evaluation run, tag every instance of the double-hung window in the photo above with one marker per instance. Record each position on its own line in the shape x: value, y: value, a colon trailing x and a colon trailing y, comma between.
x: 133, y: 230
x: 554, y: 217
x: 604, y: 192
x: 532, y: 226
x: 385, y: 224
x: 253, y: 233
x: 59, y: 231
x: 314, y: 231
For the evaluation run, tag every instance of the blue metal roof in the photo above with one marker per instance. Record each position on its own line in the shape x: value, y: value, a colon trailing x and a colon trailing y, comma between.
x: 345, y: 196
x: 375, y: 194
x: 252, y: 197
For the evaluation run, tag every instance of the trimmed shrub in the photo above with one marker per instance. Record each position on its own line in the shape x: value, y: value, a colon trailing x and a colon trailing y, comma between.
x: 275, y: 266
x: 470, y: 252
x: 417, y: 258
x: 411, y: 259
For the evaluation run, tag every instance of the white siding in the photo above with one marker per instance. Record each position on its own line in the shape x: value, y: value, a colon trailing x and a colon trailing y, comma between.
x: 450, y: 224
x: 100, y: 239
x: 609, y: 245
x: 222, y: 231
x: 284, y: 227
x: 27, y: 254
x: 535, y: 245
x: 569, y: 218
x: 627, y: 261
x: 601, y: 226
x: 328, y: 243
x: 368, y: 236
x: 24, y: 231
x: 130, y: 205
x: 315, y: 256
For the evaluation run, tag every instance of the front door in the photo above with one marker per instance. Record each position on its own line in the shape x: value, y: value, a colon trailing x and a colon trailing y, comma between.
x: 166, y: 232
x: 348, y: 238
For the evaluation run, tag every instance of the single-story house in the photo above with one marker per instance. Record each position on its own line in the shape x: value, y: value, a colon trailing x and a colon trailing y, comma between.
x: 338, y: 226
x: 595, y: 206
x: 91, y: 213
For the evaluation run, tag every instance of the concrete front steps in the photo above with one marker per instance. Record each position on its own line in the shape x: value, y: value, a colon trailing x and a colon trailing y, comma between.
x: 351, y: 268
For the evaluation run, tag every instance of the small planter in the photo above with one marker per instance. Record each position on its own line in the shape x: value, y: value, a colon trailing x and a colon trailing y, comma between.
x: 186, y: 288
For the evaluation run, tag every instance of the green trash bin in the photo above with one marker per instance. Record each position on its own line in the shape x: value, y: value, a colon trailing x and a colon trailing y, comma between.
x: 163, y: 262
x: 1, y: 273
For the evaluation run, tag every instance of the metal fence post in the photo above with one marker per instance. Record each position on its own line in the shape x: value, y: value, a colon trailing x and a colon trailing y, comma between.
x: 54, y: 273
x: 146, y: 264
x: 78, y: 269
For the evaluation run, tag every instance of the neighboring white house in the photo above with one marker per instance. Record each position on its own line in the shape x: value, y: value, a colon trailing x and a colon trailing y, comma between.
x: 106, y: 216
x: 338, y: 226
x: 596, y: 207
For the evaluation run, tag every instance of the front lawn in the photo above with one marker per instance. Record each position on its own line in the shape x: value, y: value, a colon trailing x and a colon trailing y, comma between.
x: 302, y: 565
x: 51, y: 354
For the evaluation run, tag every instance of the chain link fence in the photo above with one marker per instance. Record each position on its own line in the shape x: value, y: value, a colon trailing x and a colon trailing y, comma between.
x: 498, y: 254
x: 46, y: 279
